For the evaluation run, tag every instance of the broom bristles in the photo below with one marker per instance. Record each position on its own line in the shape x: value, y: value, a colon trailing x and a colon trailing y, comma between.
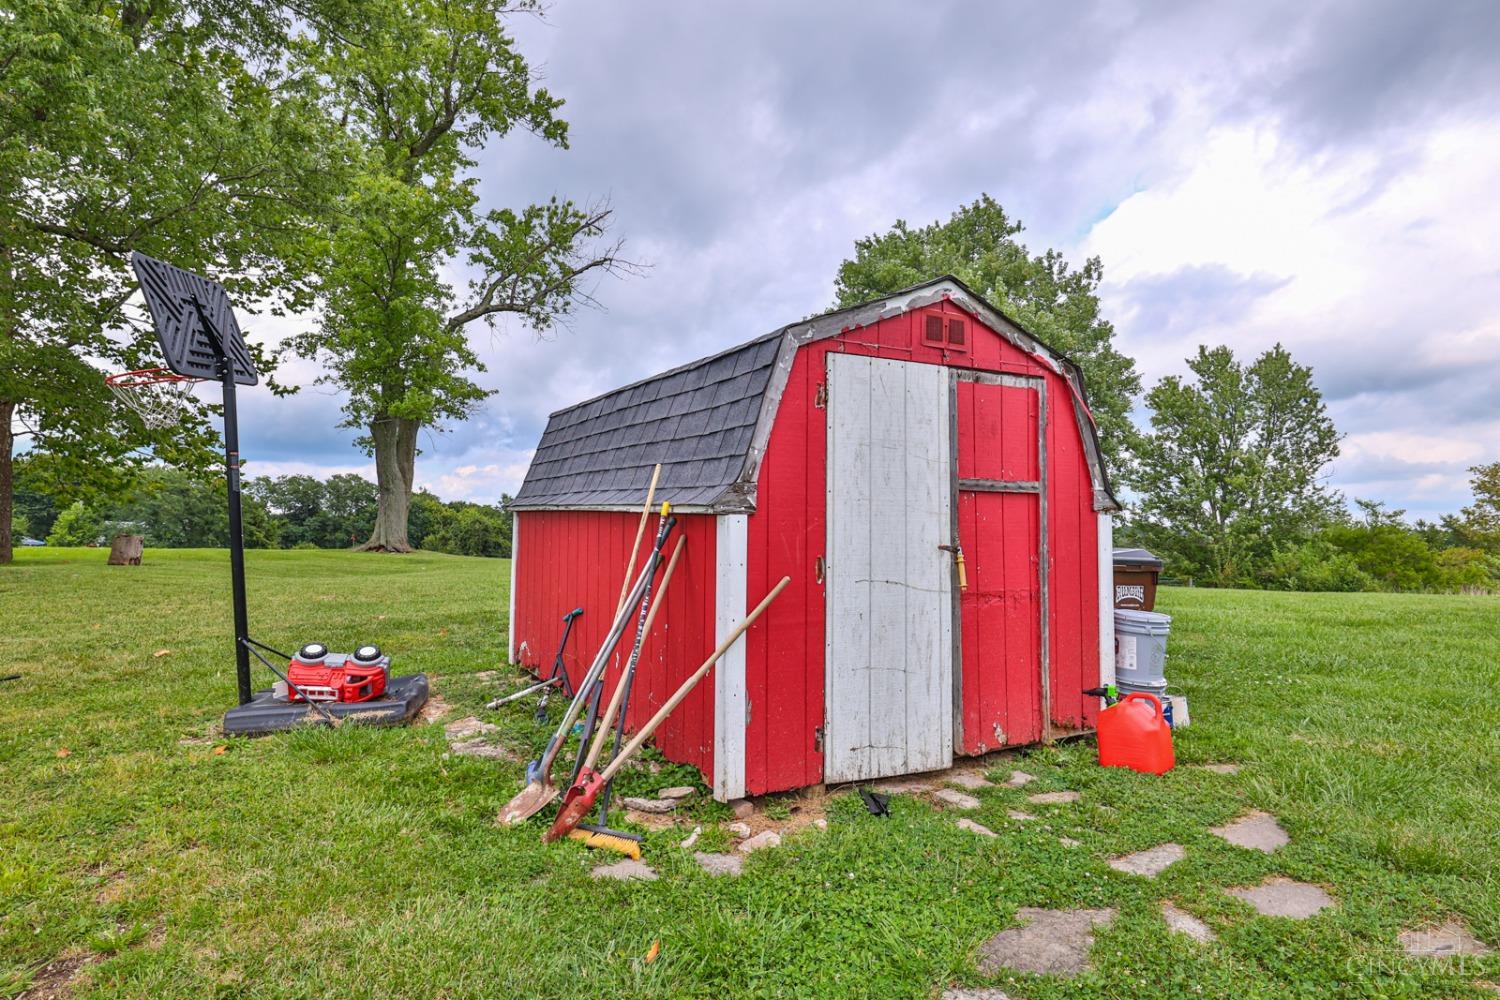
x: 608, y: 841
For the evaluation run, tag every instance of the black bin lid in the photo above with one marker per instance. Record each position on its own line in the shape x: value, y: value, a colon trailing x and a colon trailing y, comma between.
x: 1136, y: 559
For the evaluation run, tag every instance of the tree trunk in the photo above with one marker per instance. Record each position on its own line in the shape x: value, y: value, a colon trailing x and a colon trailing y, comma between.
x: 126, y: 550
x: 395, y: 467
x: 7, y: 481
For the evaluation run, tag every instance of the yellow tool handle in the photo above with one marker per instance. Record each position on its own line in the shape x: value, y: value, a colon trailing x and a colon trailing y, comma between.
x: 963, y: 573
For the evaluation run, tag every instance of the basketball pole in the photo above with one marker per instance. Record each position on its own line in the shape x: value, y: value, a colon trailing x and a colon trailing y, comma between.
x: 236, y: 525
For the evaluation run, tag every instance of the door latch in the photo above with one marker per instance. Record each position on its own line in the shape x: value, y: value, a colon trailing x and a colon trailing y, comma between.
x: 818, y: 739
x: 958, y: 561
x: 820, y: 398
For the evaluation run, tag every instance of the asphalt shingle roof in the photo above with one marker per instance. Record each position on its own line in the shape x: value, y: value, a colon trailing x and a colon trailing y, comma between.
x: 697, y: 421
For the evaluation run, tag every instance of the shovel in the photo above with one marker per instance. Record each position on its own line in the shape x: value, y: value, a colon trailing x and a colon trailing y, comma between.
x: 539, y: 789
x: 580, y: 798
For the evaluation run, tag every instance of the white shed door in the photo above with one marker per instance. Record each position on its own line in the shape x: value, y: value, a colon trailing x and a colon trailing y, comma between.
x: 889, y: 591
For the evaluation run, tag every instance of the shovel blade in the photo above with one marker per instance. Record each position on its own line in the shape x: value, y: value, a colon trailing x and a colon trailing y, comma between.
x: 528, y: 802
x: 577, y: 804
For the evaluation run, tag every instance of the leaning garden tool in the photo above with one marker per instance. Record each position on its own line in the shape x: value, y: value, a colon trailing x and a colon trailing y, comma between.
x: 558, y: 678
x: 640, y: 532
x: 539, y: 789
x: 599, y: 835
x: 580, y: 798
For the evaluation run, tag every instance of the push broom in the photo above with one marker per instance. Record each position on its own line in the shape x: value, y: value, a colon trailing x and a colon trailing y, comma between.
x: 580, y: 798
x: 599, y: 835
x: 539, y: 788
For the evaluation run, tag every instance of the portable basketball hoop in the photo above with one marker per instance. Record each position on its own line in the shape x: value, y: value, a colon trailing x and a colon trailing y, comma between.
x: 158, y: 395
x: 200, y: 341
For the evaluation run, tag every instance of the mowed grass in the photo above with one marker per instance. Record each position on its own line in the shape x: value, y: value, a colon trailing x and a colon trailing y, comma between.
x: 366, y: 863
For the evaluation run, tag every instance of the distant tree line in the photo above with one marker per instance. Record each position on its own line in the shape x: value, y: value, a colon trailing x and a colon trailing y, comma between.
x: 176, y: 509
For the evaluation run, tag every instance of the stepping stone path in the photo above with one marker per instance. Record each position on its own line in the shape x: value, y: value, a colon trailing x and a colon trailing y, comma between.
x: 1256, y: 831
x: 1452, y: 938
x: 971, y: 780
x: 968, y: 824
x: 1020, y: 816
x: 1019, y: 778
x: 1149, y: 863
x: 1048, y: 942
x: 677, y: 792
x: 650, y: 805
x: 1283, y: 897
x: 719, y: 864
x: 821, y: 824
x: 467, y: 737
x: 1222, y: 768
x: 742, y: 808
x: 691, y: 838
x: 767, y: 838
x: 480, y: 748
x: 1069, y: 842
x: 975, y: 993
x: 628, y: 870
x: 956, y: 799
x: 739, y: 829
x: 1053, y: 798
x: 1183, y: 922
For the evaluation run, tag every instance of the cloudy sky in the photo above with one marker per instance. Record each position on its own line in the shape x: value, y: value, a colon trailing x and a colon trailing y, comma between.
x: 1323, y: 175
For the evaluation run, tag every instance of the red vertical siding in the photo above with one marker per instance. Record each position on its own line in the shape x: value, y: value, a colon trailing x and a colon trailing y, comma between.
x: 570, y: 559
x: 785, y: 661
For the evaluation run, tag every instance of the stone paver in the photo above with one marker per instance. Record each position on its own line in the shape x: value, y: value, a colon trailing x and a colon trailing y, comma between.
x: 626, y: 871
x: 719, y: 864
x: 821, y: 824
x: 1451, y: 938
x: 1284, y: 897
x: 1019, y: 778
x: 965, y: 823
x: 691, y: 839
x: 766, y: 838
x: 481, y: 748
x: 650, y: 805
x: 970, y: 780
x: 975, y: 993
x: 1053, y: 798
x: 468, y: 728
x: 742, y: 808
x: 1222, y: 768
x: 1020, y: 816
x: 956, y: 799
x: 738, y: 829
x: 1256, y: 831
x: 1048, y: 942
x: 677, y: 792
x: 1069, y: 842
x: 1183, y: 922
x: 1149, y: 863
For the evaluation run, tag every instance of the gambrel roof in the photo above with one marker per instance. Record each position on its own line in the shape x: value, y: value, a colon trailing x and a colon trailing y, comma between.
x: 708, y: 422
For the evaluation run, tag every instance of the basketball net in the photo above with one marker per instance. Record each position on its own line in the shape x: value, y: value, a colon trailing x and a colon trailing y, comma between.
x: 158, y: 395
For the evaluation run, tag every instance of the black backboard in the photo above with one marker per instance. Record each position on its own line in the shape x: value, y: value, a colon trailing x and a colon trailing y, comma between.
x: 171, y: 294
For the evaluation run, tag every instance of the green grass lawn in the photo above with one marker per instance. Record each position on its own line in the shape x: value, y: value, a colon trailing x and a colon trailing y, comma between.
x: 365, y: 863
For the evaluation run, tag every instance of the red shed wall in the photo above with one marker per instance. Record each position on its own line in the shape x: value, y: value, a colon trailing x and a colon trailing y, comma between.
x: 784, y: 661
x: 571, y: 559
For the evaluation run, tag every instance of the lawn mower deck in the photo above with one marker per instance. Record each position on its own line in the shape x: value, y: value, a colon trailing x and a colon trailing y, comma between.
x: 266, y: 713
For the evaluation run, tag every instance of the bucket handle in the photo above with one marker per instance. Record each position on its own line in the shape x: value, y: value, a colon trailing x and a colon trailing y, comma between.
x: 1144, y: 696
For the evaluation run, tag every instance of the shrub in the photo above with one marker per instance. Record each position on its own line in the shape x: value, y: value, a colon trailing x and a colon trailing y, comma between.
x: 1316, y: 566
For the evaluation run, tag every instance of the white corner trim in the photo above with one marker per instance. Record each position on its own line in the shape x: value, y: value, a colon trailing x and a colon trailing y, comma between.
x: 1106, y: 599
x: 515, y: 557
x: 730, y: 718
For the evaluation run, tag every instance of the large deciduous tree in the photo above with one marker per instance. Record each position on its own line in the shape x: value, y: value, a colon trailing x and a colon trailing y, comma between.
x: 174, y: 127
x: 428, y: 83
x: 1234, y: 465
x: 1055, y: 301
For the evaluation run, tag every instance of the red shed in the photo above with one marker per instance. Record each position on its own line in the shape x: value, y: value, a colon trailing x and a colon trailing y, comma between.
x: 844, y: 451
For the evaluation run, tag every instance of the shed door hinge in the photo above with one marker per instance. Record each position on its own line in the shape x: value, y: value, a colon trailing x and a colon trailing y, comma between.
x: 820, y: 400
x: 748, y: 703
x: 818, y: 739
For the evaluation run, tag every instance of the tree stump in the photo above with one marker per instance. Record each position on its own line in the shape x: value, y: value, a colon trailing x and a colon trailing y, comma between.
x: 125, y: 550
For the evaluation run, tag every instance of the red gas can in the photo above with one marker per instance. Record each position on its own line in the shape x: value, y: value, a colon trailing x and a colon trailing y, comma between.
x: 1133, y: 734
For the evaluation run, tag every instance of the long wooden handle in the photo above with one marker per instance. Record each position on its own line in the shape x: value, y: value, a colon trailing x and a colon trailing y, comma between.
x: 614, y: 700
x: 690, y: 683
x: 640, y: 532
